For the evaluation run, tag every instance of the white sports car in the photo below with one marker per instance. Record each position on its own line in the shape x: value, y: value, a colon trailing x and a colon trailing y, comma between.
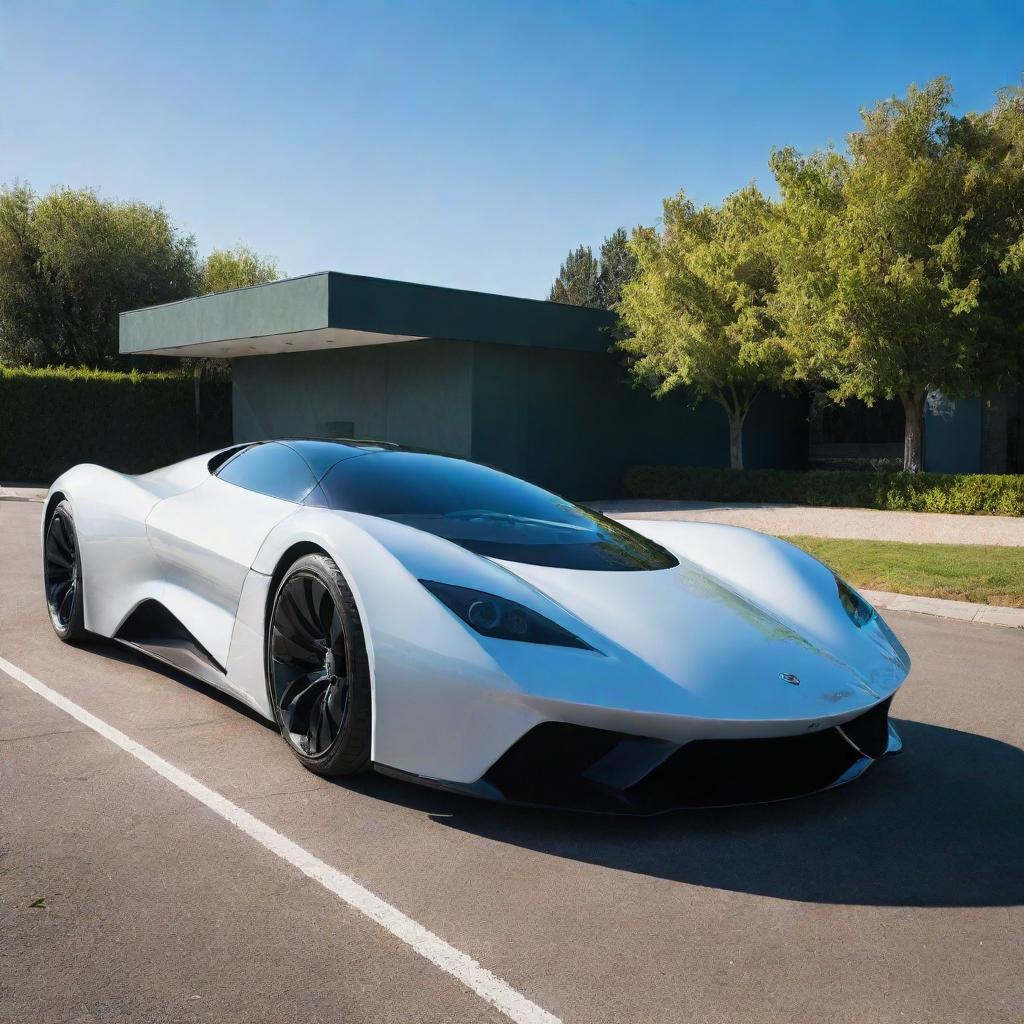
x: 441, y: 621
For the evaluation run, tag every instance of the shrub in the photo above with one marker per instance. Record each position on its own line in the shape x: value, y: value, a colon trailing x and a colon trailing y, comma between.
x: 914, y: 492
x: 53, y: 418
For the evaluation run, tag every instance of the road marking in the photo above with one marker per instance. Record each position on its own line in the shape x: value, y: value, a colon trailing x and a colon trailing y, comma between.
x: 432, y: 947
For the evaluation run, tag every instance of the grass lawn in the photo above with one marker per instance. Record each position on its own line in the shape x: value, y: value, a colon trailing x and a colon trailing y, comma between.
x: 961, y: 572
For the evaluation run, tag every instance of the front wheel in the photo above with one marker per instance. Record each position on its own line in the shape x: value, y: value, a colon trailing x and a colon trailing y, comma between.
x: 318, y: 676
x: 62, y: 575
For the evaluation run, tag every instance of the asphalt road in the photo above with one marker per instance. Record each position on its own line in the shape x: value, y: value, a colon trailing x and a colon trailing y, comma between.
x: 898, y: 898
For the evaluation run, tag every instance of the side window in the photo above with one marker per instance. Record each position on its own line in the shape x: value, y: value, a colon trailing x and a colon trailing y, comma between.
x: 271, y: 469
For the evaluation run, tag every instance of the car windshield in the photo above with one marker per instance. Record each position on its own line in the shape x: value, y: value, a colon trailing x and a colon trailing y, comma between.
x: 487, y: 512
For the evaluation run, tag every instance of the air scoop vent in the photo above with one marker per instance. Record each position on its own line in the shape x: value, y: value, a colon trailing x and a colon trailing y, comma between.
x: 869, y: 733
x: 560, y: 765
x: 151, y: 628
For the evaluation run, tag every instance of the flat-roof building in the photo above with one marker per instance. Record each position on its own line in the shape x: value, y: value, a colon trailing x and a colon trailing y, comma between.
x: 524, y: 385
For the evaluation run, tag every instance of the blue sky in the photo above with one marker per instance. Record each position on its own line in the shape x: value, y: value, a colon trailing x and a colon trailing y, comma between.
x: 461, y: 143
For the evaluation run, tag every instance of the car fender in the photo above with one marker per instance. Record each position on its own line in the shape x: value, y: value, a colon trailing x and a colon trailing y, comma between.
x: 429, y: 672
x: 110, y: 512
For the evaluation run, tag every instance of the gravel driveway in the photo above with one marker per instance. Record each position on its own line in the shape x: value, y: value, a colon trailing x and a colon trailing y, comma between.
x: 852, y: 523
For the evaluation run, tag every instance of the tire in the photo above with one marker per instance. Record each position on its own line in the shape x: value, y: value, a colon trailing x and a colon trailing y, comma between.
x: 62, y: 576
x: 318, y: 676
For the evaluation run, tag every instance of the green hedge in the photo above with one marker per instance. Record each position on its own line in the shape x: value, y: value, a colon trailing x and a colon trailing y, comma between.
x: 914, y: 492
x: 51, y: 419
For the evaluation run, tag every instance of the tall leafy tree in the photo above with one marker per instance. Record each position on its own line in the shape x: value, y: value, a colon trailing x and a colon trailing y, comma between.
x: 698, y: 313
x: 70, y: 262
x: 239, y: 267
x: 222, y: 270
x: 900, y: 260
x: 578, y: 281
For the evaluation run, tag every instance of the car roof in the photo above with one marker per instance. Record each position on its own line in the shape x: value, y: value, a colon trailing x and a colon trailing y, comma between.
x: 321, y: 454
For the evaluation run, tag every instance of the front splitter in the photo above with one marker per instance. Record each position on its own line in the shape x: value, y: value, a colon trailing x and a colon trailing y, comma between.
x: 581, y: 793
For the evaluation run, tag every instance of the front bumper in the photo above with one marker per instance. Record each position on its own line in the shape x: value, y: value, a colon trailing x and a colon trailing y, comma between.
x: 574, y: 767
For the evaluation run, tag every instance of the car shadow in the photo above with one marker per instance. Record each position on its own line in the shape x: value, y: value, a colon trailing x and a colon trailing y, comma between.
x: 941, y: 825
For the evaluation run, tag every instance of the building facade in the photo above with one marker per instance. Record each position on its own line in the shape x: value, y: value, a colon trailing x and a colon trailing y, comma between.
x: 529, y: 387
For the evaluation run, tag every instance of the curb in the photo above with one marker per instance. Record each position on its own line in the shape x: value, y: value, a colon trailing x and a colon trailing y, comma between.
x: 22, y: 493
x: 965, y: 611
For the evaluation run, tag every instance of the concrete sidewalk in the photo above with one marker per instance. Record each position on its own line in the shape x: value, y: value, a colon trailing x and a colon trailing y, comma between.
x: 850, y: 523
x: 13, y: 493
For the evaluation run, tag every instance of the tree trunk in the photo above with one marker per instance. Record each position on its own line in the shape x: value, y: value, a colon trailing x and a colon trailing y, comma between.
x: 913, y: 430
x: 736, y: 419
x: 197, y: 379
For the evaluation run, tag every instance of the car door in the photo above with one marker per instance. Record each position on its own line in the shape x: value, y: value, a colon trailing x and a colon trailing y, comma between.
x: 207, y: 538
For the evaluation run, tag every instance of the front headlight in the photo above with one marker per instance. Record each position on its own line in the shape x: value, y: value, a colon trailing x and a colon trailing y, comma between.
x: 858, y: 610
x: 501, y: 618
x: 861, y: 613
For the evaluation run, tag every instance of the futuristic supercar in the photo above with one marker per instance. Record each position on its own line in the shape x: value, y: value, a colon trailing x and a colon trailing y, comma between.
x: 441, y: 621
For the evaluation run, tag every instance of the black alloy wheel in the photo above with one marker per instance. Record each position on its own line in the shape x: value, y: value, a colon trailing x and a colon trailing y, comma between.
x: 62, y: 575
x: 317, y: 670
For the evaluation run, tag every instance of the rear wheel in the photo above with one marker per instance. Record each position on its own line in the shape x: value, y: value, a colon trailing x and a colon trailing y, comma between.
x: 62, y: 575
x: 318, y: 676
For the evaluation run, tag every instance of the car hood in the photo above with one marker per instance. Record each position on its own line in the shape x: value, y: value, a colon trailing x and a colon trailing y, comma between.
x: 695, y: 642
x: 718, y: 644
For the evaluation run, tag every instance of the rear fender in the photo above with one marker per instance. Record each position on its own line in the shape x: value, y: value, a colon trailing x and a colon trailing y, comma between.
x: 110, y: 512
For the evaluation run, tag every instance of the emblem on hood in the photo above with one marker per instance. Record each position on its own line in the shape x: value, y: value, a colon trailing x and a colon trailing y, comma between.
x: 788, y: 677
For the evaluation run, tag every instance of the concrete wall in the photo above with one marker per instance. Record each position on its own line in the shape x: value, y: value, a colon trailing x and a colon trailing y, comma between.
x: 283, y: 307
x: 567, y: 420
x: 976, y: 435
x: 416, y: 393
x: 952, y: 436
x: 571, y: 422
x: 246, y: 317
x: 426, y: 311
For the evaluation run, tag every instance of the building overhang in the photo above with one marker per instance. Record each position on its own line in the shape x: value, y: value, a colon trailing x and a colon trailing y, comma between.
x: 333, y: 310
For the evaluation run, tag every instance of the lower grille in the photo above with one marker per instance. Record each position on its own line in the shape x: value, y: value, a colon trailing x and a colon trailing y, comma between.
x: 562, y: 765
x: 870, y: 732
x: 712, y: 773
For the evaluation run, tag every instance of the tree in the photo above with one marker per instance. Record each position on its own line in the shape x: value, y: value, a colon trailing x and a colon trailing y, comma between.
x: 900, y: 261
x: 70, y: 262
x: 223, y: 270
x: 698, y: 313
x: 239, y: 267
x: 588, y: 280
x: 578, y: 279
x: 617, y: 268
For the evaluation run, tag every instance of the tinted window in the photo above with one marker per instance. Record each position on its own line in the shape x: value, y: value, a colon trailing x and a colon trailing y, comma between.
x: 220, y: 458
x: 488, y: 512
x: 270, y: 469
x: 321, y: 455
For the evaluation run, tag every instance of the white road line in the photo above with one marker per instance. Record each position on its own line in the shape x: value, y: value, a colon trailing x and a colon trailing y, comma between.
x: 459, y: 965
